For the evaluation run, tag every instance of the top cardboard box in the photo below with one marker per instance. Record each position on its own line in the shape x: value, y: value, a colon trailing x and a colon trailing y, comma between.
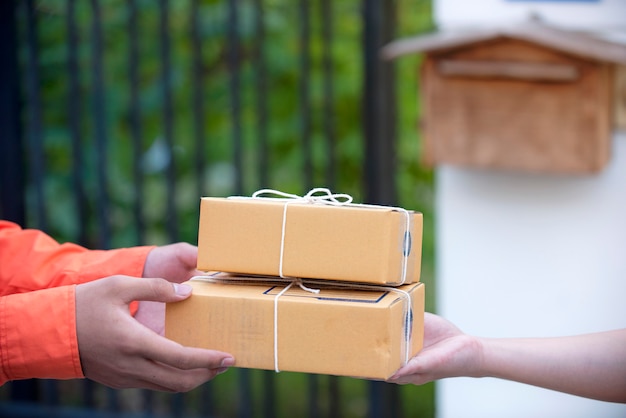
x: 352, y: 243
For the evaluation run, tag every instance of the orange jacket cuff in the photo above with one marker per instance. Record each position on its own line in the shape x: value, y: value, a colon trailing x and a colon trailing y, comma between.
x: 97, y: 264
x: 38, y: 335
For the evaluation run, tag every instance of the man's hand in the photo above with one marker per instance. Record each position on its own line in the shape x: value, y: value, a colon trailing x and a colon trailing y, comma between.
x: 118, y: 351
x: 174, y: 263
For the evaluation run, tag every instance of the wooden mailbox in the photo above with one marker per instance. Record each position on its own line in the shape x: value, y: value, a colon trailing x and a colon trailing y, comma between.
x: 526, y: 97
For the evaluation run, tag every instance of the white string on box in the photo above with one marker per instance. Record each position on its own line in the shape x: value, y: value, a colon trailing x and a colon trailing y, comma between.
x: 322, y: 195
x: 282, y: 292
x: 406, y: 296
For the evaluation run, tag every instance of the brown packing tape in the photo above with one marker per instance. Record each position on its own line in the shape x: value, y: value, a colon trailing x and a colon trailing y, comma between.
x: 341, y: 331
x: 355, y: 243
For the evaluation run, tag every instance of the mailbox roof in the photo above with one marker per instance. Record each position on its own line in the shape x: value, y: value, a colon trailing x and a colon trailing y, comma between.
x: 580, y: 44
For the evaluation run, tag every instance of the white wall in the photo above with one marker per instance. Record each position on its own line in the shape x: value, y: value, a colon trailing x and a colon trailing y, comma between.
x: 600, y: 15
x: 523, y: 255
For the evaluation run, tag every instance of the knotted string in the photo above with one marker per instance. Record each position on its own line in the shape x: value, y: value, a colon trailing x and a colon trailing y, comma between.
x: 406, y: 299
x: 323, y: 196
x: 327, y: 198
x: 317, y: 195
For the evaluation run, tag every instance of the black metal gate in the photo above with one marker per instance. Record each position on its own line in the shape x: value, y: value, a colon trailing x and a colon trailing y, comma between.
x: 101, y: 148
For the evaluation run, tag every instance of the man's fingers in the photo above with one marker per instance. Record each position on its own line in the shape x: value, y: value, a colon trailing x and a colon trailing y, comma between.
x: 187, y: 358
x: 168, y: 366
x: 187, y: 253
x: 174, y: 262
x: 160, y: 349
x: 148, y: 374
x: 168, y: 379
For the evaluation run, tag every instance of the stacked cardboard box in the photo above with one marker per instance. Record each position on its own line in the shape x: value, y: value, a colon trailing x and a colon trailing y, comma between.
x: 356, y: 308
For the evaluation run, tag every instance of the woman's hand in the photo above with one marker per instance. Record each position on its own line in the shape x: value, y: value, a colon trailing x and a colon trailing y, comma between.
x: 447, y: 352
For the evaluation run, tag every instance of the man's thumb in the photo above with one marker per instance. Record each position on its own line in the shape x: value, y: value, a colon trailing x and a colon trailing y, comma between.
x: 156, y: 290
x: 182, y: 289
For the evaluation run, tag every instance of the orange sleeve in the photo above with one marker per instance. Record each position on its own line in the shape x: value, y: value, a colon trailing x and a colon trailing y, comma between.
x: 37, y: 299
x: 38, y: 335
x: 31, y: 260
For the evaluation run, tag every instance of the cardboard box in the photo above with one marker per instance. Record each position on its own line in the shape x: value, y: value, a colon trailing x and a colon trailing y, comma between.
x: 355, y: 243
x: 343, y: 332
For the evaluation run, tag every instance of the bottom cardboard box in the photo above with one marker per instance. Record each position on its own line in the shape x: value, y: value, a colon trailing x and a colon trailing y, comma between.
x: 343, y: 331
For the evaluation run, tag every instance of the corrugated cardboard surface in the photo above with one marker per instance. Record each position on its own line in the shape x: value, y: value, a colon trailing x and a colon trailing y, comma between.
x: 347, y: 243
x: 343, y: 332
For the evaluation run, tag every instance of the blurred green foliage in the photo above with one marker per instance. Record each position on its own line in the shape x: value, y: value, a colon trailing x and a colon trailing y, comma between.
x: 281, y: 53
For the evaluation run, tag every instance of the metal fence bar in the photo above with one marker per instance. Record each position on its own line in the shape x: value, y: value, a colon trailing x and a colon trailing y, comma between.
x: 101, y: 147
x: 198, y: 98
x: 258, y: 61
x: 136, y: 131
x: 234, y: 67
x: 313, y: 396
x: 147, y: 402
x: 44, y: 390
x: 334, y: 404
x: 269, y: 393
x: 207, y: 405
x: 75, y: 115
x: 168, y: 119
x: 244, y: 395
x: 100, y: 134
x: 268, y: 377
x: 377, y: 113
x: 34, y: 126
x: 88, y: 394
x: 13, y: 155
x: 50, y: 392
x: 307, y: 150
x: 112, y: 400
x: 379, y: 134
x: 136, y: 134
x: 386, y: 136
x: 233, y: 59
x: 177, y: 405
x: 371, y: 28
x: 326, y: 17
x: 304, y: 91
x: 12, y: 181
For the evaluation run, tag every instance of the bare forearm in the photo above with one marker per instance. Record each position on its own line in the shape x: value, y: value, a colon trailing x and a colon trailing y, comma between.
x: 592, y: 365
